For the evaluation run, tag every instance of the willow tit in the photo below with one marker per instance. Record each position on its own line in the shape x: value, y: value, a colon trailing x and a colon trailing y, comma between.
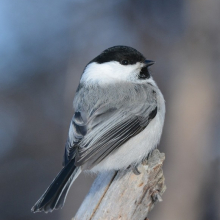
x: 118, y: 120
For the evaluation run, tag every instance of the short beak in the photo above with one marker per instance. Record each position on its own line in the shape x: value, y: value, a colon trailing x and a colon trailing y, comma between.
x: 149, y: 62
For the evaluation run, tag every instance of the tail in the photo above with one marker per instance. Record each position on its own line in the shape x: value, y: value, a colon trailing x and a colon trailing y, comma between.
x: 55, y: 195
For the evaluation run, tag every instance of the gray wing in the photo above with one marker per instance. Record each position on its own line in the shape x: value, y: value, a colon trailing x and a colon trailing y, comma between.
x: 95, y: 135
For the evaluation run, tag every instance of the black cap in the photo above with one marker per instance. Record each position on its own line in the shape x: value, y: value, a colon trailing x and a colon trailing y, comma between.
x: 120, y: 53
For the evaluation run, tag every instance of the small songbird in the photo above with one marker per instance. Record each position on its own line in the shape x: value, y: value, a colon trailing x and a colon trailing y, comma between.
x: 118, y: 120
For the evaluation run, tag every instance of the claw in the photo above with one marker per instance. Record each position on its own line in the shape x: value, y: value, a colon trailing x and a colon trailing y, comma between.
x: 150, y: 153
x: 135, y: 170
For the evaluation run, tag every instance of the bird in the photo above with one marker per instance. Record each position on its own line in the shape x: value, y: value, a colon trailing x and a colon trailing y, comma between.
x: 118, y: 119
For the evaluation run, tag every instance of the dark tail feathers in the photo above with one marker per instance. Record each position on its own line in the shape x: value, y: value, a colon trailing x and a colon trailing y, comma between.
x: 55, y: 195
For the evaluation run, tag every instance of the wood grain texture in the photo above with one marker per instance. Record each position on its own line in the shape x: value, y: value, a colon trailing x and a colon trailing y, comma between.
x: 124, y: 195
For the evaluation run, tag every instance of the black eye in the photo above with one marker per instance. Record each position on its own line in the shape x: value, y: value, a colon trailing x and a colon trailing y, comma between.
x: 144, y: 73
x: 124, y: 62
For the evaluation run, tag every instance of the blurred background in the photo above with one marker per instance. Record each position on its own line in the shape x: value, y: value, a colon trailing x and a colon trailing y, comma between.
x: 44, y: 47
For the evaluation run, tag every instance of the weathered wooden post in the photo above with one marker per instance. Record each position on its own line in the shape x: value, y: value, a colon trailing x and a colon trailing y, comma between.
x: 124, y: 195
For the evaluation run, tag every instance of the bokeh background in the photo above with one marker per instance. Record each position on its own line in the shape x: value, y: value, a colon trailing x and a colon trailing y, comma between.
x: 44, y: 47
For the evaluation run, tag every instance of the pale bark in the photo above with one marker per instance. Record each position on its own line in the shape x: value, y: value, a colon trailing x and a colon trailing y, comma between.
x: 124, y: 195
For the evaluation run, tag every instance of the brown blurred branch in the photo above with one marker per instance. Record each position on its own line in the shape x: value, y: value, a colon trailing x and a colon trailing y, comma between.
x: 124, y: 195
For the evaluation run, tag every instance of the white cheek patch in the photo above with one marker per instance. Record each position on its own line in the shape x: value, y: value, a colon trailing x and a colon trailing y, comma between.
x: 109, y: 72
